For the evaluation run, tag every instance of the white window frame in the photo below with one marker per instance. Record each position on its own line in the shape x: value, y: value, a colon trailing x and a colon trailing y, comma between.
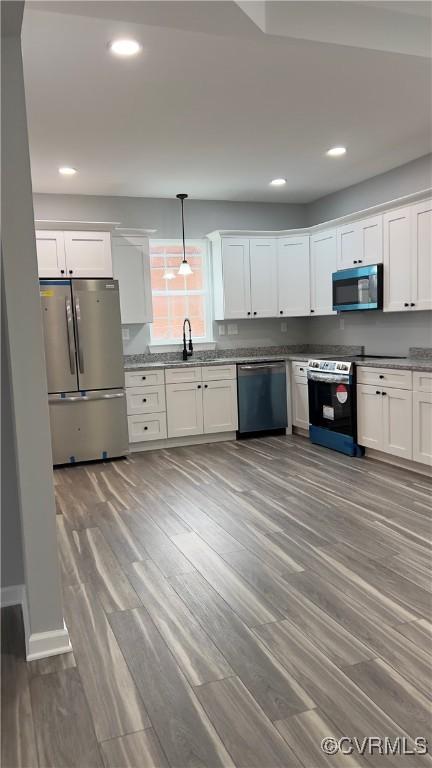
x: 205, y: 292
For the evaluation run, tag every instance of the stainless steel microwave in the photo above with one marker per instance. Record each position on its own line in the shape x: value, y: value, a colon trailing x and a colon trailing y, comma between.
x: 358, y: 288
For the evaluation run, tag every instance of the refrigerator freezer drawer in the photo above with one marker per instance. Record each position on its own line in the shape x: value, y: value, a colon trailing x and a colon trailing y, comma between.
x: 84, y: 428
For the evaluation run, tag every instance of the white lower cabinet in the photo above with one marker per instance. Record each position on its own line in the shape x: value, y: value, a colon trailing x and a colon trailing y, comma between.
x: 422, y: 427
x: 143, y: 427
x: 384, y: 419
x: 300, y: 396
x: 220, y: 406
x: 184, y: 409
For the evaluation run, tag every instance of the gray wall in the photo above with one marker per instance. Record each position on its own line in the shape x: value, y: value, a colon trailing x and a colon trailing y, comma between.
x: 379, y: 332
x: 404, y: 180
x: 12, y: 568
x: 201, y: 216
x: 30, y: 418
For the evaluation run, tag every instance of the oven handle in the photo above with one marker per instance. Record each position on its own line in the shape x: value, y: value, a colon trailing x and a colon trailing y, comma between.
x: 330, y: 378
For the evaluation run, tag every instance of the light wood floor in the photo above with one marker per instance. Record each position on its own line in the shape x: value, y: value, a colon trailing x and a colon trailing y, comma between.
x: 230, y: 604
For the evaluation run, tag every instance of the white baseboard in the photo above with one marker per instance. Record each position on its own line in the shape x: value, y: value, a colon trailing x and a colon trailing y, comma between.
x: 396, y: 461
x: 178, y: 442
x: 39, y: 645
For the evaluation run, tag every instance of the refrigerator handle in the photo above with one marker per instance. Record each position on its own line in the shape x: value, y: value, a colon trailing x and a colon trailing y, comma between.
x: 69, y: 326
x: 78, y: 324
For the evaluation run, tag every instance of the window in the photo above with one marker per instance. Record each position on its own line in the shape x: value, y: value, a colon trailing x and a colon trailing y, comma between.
x: 180, y: 297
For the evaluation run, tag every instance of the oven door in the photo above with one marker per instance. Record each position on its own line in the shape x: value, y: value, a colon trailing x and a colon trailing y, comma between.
x: 359, y: 288
x: 332, y: 403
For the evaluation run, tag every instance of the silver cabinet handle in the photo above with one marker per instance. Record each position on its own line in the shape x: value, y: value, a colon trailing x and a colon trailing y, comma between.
x: 78, y: 324
x: 70, y: 334
x: 259, y: 365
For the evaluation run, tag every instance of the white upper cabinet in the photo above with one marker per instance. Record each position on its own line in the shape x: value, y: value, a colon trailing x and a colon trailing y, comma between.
x: 263, y: 277
x: 74, y: 254
x: 50, y: 249
x: 360, y: 243
x: 236, y: 278
x: 397, y: 261
x: 131, y: 267
x: 421, y: 256
x: 293, y: 276
x: 323, y: 261
x: 88, y: 254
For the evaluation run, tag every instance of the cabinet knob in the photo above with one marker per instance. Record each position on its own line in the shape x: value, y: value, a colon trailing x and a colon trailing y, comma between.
x: 145, y: 427
x: 255, y: 313
x: 71, y: 271
x: 412, y: 304
x: 248, y: 313
x: 360, y: 261
x: 62, y: 271
x: 301, y: 369
x: 144, y: 399
x: 383, y: 393
x: 377, y: 392
x: 143, y: 378
x: 312, y: 310
x: 205, y: 386
x: 281, y: 311
x: 199, y: 386
x: 406, y: 304
x: 381, y: 375
x: 355, y: 261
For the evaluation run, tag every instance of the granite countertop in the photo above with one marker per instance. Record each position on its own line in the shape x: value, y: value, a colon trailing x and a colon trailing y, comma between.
x: 418, y: 359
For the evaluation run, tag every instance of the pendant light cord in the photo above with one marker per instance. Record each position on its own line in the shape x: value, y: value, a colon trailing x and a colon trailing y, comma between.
x: 182, y: 199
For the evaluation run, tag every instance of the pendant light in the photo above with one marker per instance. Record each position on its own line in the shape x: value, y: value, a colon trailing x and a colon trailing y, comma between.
x: 168, y: 274
x: 185, y: 268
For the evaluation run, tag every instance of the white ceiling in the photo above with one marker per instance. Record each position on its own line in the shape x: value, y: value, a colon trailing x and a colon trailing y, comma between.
x: 215, y: 106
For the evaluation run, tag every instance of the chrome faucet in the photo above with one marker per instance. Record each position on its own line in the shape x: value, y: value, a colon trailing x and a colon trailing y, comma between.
x: 187, y: 350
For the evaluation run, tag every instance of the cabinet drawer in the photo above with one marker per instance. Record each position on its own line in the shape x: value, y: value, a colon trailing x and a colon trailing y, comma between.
x: 422, y: 382
x: 299, y: 370
x: 388, y: 377
x: 219, y: 372
x: 177, y: 375
x: 145, y: 399
x: 144, y: 378
x: 150, y: 426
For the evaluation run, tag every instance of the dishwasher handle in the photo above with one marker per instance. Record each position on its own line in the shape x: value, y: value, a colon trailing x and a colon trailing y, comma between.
x: 253, y: 366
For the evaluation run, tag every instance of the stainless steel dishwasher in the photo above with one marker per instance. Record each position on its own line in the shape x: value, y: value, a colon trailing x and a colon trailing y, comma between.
x: 262, y: 397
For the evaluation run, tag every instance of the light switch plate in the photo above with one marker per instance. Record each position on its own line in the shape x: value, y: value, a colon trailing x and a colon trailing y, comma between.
x: 125, y: 334
x: 284, y: 326
x: 232, y: 329
x: 221, y: 329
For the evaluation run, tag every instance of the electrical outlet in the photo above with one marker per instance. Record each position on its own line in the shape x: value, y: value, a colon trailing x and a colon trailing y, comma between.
x: 125, y: 334
x: 232, y: 329
x: 221, y: 330
x: 284, y: 326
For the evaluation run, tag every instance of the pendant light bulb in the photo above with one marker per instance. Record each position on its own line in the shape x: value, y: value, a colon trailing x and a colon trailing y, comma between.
x: 184, y: 268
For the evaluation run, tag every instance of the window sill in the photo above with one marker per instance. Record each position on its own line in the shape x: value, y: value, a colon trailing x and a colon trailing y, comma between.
x: 203, y: 346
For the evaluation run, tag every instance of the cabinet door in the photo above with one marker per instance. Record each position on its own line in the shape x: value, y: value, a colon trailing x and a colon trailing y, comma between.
x: 184, y: 404
x: 131, y: 267
x: 348, y: 246
x: 369, y: 417
x: 422, y: 427
x: 220, y: 406
x: 300, y: 403
x: 397, y: 261
x: 370, y: 236
x: 397, y: 422
x: 263, y: 277
x: 323, y: 264
x: 236, y: 278
x: 293, y: 276
x: 421, y: 256
x: 50, y: 251
x: 88, y: 254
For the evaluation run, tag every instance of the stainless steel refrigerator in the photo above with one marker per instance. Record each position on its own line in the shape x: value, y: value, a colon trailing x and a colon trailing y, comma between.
x: 84, y: 359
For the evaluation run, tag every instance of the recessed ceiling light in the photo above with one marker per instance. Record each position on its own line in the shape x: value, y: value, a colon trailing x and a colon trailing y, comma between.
x: 124, y: 47
x: 66, y: 170
x: 336, y: 151
x: 278, y: 182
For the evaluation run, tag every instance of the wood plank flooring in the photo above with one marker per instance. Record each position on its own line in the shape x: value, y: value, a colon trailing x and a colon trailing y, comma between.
x: 230, y: 605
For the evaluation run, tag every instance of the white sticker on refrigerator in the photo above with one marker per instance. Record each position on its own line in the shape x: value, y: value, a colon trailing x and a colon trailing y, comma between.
x: 328, y: 412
